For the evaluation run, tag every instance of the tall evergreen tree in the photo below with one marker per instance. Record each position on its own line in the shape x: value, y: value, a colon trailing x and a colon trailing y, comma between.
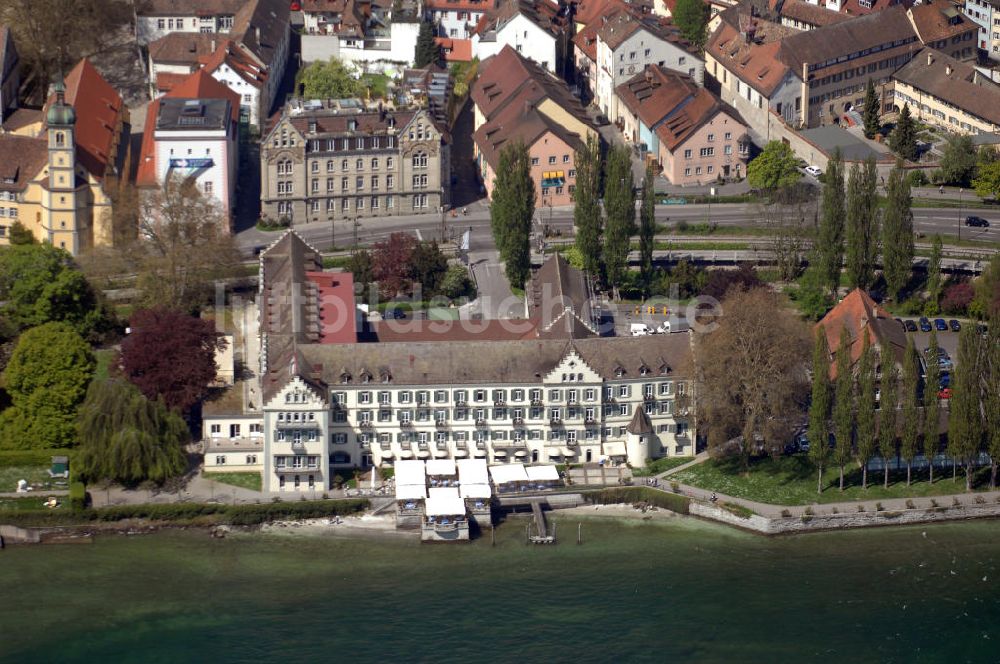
x: 888, y: 414
x: 903, y: 139
x: 819, y: 408
x: 647, y: 228
x: 830, y: 241
x: 911, y: 422
x: 619, y: 206
x: 586, y: 205
x: 426, y: 51
x: 932, y: 405
x: 865, y: 408
x: 897, y: 233
x: 862, y: 225
x: 872, y: 110
x: 991, y: 404
x: 843, y: 405
x: 511, y: 212
x: 934, y: 283
x: 965, y: 420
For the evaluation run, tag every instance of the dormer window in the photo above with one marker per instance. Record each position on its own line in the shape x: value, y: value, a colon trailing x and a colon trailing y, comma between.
x: 345, y: 378
x: 643, y: 370
x: 366, y: 377
x: 619, y: 371
x: 386, y: 377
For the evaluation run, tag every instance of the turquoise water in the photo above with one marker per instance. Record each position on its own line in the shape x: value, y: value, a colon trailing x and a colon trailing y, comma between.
x: 639, y: 592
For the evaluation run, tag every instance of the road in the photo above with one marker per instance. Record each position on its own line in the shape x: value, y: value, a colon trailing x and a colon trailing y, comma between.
x: 560, y: 220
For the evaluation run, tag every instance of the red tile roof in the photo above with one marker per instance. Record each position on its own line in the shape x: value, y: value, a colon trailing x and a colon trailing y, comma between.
x: 238, y: 60
x: 754, y: 62
x: 337, y: 312
x: 655, y: 93
x: 460, y: 5
x: 165, y: 81
x: 861, y: 316
x: 98, y: 111
x: 455, y: 50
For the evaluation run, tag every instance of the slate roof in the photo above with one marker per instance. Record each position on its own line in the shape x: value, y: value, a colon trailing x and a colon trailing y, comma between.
x: 953, y: 81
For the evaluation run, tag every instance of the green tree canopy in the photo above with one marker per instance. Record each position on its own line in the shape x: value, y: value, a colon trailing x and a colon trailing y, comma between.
x: 426, y: 51
x: 903, y: 139
x: 958, y: 163
x: 965, y: 421
x: 910, y: 440
x: 865, y: 409
x: 987, y: 182
x: 429, y: 265
x: 862, y: 225
x: 126, y: 438
x: 19, y: 234
x: 843, y: 405
x: 897, y: 233
x: 511, y: 211
x: 829, y: 248
x: 46, y: 378
x: 986, y: 301
x: 586, y: 205
x: 872, y: 111
x: 328, y: 80
x: 619, y: 206
x: 692, y: 16
x: 819, y: 406
x: 774, y: 168
x: 647, y: 228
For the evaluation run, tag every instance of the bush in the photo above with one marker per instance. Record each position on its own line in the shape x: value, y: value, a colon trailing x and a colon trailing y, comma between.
x: 917, y: 179
x: 957, y: 298
x: 909, y: 504
x: 41, y: 457
x: 737, y: 510
x: 786, y: 513
x: 628, y: 495
x: 79, y: 499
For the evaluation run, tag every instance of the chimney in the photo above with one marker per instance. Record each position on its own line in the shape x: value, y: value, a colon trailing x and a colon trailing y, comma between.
x: 256, y: 33
x: 947, y: 70
x: 213, y: 44
x: 930, y: 59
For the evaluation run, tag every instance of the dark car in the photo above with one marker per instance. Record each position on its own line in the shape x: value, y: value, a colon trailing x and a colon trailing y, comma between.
x: 955, y: 325
x: 925, y: 325
x: 940, y: 325
x: 978, y: 222
x: 945, y: 380
x: 902, y: 324
x: 395, y: 313
x: 910, y: 326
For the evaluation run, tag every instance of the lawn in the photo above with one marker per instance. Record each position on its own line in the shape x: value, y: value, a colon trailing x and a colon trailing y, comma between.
x: 661, y: 466
x: 104, y: 357
x: 36, y: 502
x: 247, y: 480
x: 791, y: 480
x: 9, y: 475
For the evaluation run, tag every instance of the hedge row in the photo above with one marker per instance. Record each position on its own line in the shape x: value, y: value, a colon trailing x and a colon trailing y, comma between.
x: 43, y: 457
x: 237, y: 515
x: 639, y: 494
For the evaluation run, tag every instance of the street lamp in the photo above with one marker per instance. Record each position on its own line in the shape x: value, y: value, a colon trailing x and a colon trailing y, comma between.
x: 960, y: 214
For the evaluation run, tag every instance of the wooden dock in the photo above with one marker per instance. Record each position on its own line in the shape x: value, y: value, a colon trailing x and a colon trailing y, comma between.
x: 542, y: 536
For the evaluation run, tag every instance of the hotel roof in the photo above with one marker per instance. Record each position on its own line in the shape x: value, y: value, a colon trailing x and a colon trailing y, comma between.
x: 943, y: 77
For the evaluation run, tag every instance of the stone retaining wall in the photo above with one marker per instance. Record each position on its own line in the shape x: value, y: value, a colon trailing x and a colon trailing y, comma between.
x: 815, y: 522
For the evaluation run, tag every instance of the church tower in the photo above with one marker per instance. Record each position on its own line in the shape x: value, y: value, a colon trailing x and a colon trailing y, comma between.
x: 61, y: 189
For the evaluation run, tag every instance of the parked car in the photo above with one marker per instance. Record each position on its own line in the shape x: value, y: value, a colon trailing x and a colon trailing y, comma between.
x: 813, y: 171
x: 945, y: 393
x: 394, y: 314
x: 641, y: 329
x: 910, y: 326
x: 955, y: 325
x: 945, y: 380
x: 979, y: 222
x: 902, y: 324
x: 945, y: 364
x: 925, y: 325
x: 940, y: 325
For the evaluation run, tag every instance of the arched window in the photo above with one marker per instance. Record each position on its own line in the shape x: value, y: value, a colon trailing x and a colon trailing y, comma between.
x: 420, y: 160
x: 60, y: 139
x: 329, y: 166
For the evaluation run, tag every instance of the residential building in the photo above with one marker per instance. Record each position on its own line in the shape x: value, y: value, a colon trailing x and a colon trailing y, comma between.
x: 61, y: 173
x: 626, y: 43
x: 429, y: 87
x: 456, y: 19
x: 156, y: 18
x: 862, y: 317
x: 943, y: 26
x: 516, y: 99
x: 192, y: 133
x: 702, y: 139
x: 533, y: 28
x: 248, y: 51
x: 953, y: 95
x: 986, y: 15
x: 342, y: 159
x: 455, y: 50
x: 360, y: 30
x: 337, y: 404
x: 806, y: 79
x: 806, y: 15
x: 10, y: 74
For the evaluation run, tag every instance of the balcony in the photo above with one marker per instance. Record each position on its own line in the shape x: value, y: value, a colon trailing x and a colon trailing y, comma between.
x: 365, y: 424
x: 556, y: 421
x: 589, y: 420
x: 480, y: 421
x: 298, y: 446
x: 441, y: 424
x: 649, y: 397
x: 518, y: 421
x: 499, y: 403
x: 298, y: 425
x: 406, y: 424
x: 536, y: 402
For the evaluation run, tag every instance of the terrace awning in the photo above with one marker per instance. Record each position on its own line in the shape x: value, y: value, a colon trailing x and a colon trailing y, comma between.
x: 616, y: 448
x: 553, y: 178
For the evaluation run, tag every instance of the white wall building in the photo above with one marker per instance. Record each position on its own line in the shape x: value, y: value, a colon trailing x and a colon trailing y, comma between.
x: 986, y: 14
x: 161, y: 17
x: 526, y: 27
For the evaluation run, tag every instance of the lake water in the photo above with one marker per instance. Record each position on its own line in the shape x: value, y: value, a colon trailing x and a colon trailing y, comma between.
x: 681, y: 590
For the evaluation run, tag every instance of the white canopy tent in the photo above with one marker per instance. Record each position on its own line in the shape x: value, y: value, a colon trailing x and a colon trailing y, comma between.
x: 410, y: 492
x: 547, y: 473
x: 441, y: 467
x: 473, y: 471
x: 508, y: 473
x: 475, y: 491
x: 615, y: 448
x: 410, y: 472
x: 444, y: 501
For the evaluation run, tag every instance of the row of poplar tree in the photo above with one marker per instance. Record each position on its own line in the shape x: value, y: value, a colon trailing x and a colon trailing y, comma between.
x: 603, y: 238
x: 909, y: 405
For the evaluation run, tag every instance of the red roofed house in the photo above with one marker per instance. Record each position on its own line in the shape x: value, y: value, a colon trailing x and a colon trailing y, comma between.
x: 455, y: 50
x: 60, y: 182
x: 192, y: 132
x: 861, y: 316
x: 457, y: 18
x: 693, y: 136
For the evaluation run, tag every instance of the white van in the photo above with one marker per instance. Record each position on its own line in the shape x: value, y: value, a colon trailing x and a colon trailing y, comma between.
x: 679, y: 325
x: 641, y: 330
